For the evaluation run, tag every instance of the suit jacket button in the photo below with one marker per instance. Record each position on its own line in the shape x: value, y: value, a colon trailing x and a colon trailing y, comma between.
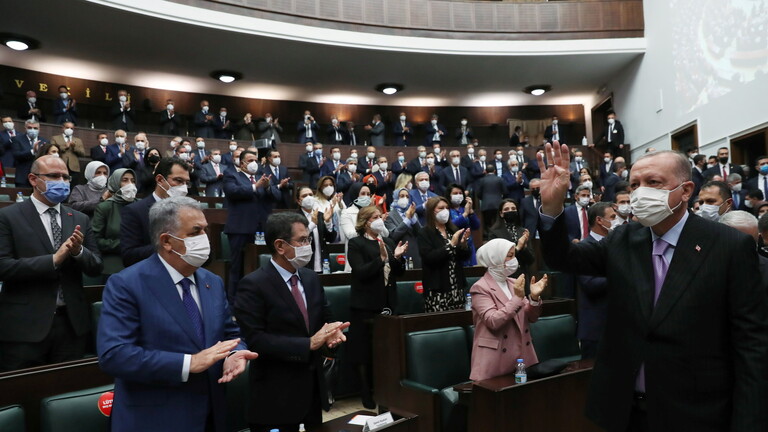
x: 504, y: 350
x: 528, y: 343
x: 526, y: 330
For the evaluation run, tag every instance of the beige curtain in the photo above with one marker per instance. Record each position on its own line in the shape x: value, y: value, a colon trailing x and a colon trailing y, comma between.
x: 533, y: 129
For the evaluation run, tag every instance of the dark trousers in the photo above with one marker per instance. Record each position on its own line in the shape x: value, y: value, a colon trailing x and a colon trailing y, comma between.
x: 237, y: 244
x: 588, y: 348
x: 313, y: 421
x: 489, y: 218
x: 638, y: 418
x: 59, y: 345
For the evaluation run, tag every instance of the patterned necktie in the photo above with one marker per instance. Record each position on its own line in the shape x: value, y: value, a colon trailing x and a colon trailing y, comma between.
x: 294, y: 280
x: 55, y: 228
x: 192, y: 310
x: 660, y: 266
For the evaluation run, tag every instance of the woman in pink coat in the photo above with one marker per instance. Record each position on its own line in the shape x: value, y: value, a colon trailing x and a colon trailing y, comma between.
x: 501, y: 312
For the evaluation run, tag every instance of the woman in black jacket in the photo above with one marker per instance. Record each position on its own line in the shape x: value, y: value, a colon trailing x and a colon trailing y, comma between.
x: 375, y: 262
x: 443, y: 248
x: 508, y: 227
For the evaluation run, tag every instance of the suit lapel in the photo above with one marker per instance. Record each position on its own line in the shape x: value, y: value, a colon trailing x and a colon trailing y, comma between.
x: 640, y: 244
x: 281, y: 287
x: 690, y: 252
x: 67, y: 223
x: 33, y: 218
x: 167, y: 295
x: 207, y: 306
x: 312, y: 293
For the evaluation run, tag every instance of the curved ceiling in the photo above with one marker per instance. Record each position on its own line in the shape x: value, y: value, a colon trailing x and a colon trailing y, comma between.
x: 168, y: 45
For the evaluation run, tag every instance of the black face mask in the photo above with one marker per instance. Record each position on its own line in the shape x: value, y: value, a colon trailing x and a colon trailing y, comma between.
x: 153, y: 159
x: 723, y: 160
x: 535, y: 193
x: 510, y: 216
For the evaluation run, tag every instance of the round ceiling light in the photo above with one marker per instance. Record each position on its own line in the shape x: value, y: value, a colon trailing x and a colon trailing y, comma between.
x: 18, y: 42
x: 538, y: 89
x: 389, y: 88
x: 226, y: 76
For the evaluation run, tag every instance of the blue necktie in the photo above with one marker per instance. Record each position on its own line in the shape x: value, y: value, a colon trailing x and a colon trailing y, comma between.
x: 192, y: 310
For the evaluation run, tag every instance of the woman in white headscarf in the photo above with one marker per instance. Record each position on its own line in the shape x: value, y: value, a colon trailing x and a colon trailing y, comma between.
x: 86, y: 197
x: 501, y: 312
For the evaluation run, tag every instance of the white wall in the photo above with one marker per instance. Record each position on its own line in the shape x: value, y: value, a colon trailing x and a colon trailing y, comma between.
x: 679, y: 56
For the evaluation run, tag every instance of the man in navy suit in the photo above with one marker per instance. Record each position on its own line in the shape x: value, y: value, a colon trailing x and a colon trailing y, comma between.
x: 576, y: 216
x: 723, y: 167
x: 337, y: 134
x: 204, y: 121
x: 99, y: 152
x: 65, y: 107
x: 286, y: 318
x: 593, y: 290
x: 166, y: 331
x: 434, y: 132
x: 420, y: 194
x: 120, y: 154
x: 332, y: 166
x: 385, y: 180
x: 279, y: 182
x: 403, y: 131
x: 613, y: 135
x: 7, y: 134
x: 310, y: 162
x: 24, y: 148
x: 222, y: 126
x: 609, y: 194
x: 529, y: 208
x: 307, y: 129
x: 419, y: 163
x: 453, y: 174
x: 554, y: 131
x: 30, y: 110
x: 171, y: 178
x: 516, y: 180
x: 398, y: 165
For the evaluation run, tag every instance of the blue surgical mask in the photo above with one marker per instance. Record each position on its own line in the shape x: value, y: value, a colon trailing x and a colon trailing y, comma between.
x: 764, y: 169
x: 56, y: 191
x: 363, y: 201
x: 318, y: 152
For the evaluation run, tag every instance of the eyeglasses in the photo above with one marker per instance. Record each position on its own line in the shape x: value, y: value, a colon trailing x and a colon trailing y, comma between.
x: 303, y: 241
x: 55, y: 176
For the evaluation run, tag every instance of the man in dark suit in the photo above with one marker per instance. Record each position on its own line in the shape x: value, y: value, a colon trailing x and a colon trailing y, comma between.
x: 453, y: 174
x: 122, y: 113
x: 516, y: 180
x: 529, y: 208
x: 222, y: 126
x: 676, y: 283
x: 24, y: 148
x: 270, y: 129
x: 593, y: 290
x: 170, y: 123
x: 30, y: 110
x: 577, y: 164
x: 478, y: 168
x: 723, y: 167
x: 517, y: 137
x: 166, y: 331
x: 281, y: 186
x: 310, y: 162
x: 434, y: 132
x: 204, y: 121
x: 609, y: 194
x: 554, y: 131
x: 285, y: 317
x: 99, y: 152
x: 613, y: 135
x: 398, y: 165
x: 490, y: 190
x: 45, y: 248
x: 352, y: 138
x: 119, y: 154
x: 419, y: 163
x: 576, y: 217
x: 376, y: 131
x: 212, y: 174
x: 332, y: 165
x: 469, y: 159
x: 760, y: 180
x: 403, y: 131
x: 171, y: 178
x: 738, y: 193
x: 7, y: 134
x: 65, y: 107
x: 307, y: 129
x: 420, y: 194
x: 697, y: 174
x: 337, y: 134
x: 385, y: 180
x: 347, y: 177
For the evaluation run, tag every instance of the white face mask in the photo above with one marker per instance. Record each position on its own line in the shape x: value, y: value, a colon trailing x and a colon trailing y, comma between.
x: 198, y: 249
x: 470, y: 151
x: 140, y: 145
x: 736, y: 187
x: 624, y: 174
x: 402, y: 118
x: 514, y: 169
x: 205, y: 109
x: 120, y: 140
x: 169, y: 107
x: 128, y: 192
x: 335, y: 122
x: 403, y: 203
x: 463, y: 122
x: 607, y: 160
x: 176, y: 191
x: 64, y: 96
x: 371, y: 155
x: 328, y: 191
x: 378, y: 226
x: 436, y: 151
x: 577, y: 158
x: 223, y: 113
x: 8, y: 125
x: 99, y: 182
x: 456, y: 161
x: 422, y: 154
x: 748, y: 203
x: 711, y: 211
x: 442, y: 216
x: 611, y: 121
x: 456, y: 199
x: 69, y: 132
x: 104, y: 142
x: 434, y: 122
x: 383, y: 166
x: 188, y: 147
x: 353, y: 155
x: 32, y: 100
x: 276, y: 161
x: 519, y: 152
x: 216, y: 158
x: 236, y: 161
x: 651, y: 205
x: 352, y: 168
x: 252, y: 167
x: 184, y: 156
x: 624, y: 209
x: 584, y: 201
x: 308, y: 148
x: 173, y: 144
x: 336, y: 156
x: 511, y: 266
x: 614, y: 223
x: 201, y: 144
x: 430, y: 161
x: 302, y: 255
x: 482, y: 158
x: 424, y: 185
x: 588, y: 184
x: 554, y: 122
x: 232, y: 148
x: 308, y: 203
x: 122, y: 99
x: 498, y: 156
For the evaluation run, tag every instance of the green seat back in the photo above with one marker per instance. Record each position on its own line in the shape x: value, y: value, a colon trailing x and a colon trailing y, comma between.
x: 470, y: 331
x: 12, y: 418
x: 225, y: 255
x: 554, y: 337
x: 437, y: 358
x: 5, y: 198
x: 94, y: 280
x: 471, y: 281
x: 333, y: 259
x: 95, y: 315
x: 219, y: 205
x: 238, y: 397
x: 74, y: 412
x: 408, y: 300
x: 339, y: 299
x: 264, y: 259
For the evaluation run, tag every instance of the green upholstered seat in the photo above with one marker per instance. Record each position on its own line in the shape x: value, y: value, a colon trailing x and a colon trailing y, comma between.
x: 408, y: 300
x: 225, y: 247
x: 95, y: 315
x: 339, y: 298
x: 76, y: 411
x: 238, y: 400
x: 471, y: 281
x: 554, y: 337
x: 264, y: 259
x: 12, y: 418
x: 5, y: 198
x: 333, y: 260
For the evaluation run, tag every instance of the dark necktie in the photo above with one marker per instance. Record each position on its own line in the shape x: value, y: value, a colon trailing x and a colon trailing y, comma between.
x: 584, y: 223
x: 456, y: 175
x: 765, y: 186
x: 192, y: 310
x: 56, y: 234
x: 294, y: 280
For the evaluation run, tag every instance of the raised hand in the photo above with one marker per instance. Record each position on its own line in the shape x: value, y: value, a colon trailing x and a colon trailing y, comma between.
x: 411, y: 210
x: 519, y: 286
x: 208, y: 357
x: 401, y: 249
x: 555, y: 178
x: 235, y: 364
x: 538, y: 287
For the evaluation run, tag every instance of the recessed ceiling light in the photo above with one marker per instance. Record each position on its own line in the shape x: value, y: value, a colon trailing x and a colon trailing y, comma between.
x: 18, y: 42
x: 389, y: 88
x: 538, y: 89
x: 226, y: 76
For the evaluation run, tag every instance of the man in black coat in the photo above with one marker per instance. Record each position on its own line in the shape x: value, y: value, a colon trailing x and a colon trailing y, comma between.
x: 686, y: 338
x: 613, y: 135
x: 122, y: 112
x: 723, y: 168
x: 285, y: 317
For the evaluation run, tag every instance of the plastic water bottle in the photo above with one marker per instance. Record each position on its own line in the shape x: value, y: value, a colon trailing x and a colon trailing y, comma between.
x: 468, y: 302
x: 260, y: 238
x: 521, y: 376
x: 584, y: 141
x: 410, y: 263
x: 19, y: 197
x: 3, y: 183
x: 301, y: 428
x: 326, y: 267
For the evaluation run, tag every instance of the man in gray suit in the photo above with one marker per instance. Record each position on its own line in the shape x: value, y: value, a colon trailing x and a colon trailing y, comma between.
x: 45, y: 248
x: 376, y: 130
x: 270, y: 129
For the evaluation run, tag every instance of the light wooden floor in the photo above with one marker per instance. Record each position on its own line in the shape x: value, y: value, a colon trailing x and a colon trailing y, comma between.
x: 343, y: 407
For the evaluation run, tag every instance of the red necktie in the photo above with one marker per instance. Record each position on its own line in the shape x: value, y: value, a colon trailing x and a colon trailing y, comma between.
x: 299, y: 300
x: 253, y: 180
x: 725, y: 174
x: 584, y: 223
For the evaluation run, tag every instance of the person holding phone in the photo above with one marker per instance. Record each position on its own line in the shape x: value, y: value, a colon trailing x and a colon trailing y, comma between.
x: 443, y: 248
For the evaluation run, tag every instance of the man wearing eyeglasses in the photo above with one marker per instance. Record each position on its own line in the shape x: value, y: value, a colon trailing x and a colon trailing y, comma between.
x: 45, y: 248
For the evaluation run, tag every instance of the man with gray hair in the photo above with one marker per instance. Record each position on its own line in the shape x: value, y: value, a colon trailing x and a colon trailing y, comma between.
x: 738, y: 193
x: 166, y: 331
x: 748, y: 224
x: 24, y: 149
